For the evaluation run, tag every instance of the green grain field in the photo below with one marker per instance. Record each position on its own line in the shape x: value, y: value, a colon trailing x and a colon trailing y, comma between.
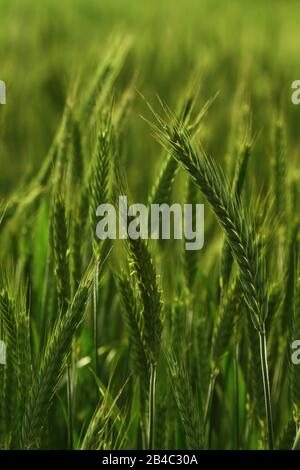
x: 142, y: 344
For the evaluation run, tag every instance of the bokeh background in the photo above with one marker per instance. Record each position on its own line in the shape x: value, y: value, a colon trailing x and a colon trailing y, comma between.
x: 229, y: 45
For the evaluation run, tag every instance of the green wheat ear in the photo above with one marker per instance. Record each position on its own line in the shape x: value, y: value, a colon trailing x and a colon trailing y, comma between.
x: 239, y: 230
x: 188, y: 408
x: 223, y: 328
x: 102, y: 82
x: 57, y: 350
x: 16, y: 377
x: 279, y: 168
x: 133, y: 322
x: 101, y: 431
x: 161, y: 190
x: 233, y: 218
x: 9, y: 375
x: 99, y: 182
x: 142, y: 268
x: 60, y: 240
x: 191, y: 257
x: 237, y: 187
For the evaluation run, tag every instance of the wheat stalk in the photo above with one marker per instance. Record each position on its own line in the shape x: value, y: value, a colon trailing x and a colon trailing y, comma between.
x: 57, y: 350
x: 240, y: 234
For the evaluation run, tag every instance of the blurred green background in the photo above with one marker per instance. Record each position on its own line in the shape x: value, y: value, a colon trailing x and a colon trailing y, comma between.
x: 228, y: 45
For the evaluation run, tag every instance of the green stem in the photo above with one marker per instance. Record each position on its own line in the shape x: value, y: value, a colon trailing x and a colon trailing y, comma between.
x: 151, y: 406
x: 209, y: 399
x: 237, y: 397
x: 69, y: 404
x: 266, y: 384
x: 95, y: 323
